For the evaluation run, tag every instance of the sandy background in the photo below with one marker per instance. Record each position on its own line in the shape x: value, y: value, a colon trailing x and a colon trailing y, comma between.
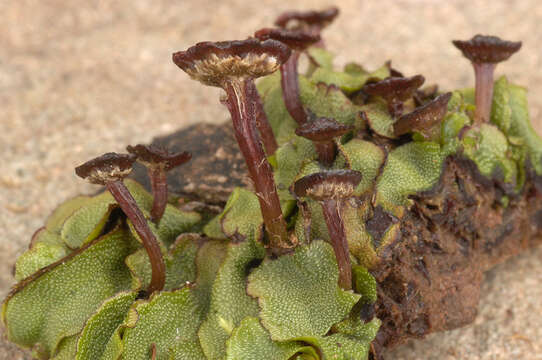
x: 78, y: 78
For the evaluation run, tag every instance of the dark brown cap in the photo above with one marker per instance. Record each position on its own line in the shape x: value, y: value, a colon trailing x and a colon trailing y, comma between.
x: 333, y: 184
x: 395, y: 88
x: 487, y: 49
x: 295, y: 39
x: 423, y: 117
x: 323, y: 129
x: 106, y: 168
x: 151, y: 155
x: 212, y: 63
x: 307, y: 18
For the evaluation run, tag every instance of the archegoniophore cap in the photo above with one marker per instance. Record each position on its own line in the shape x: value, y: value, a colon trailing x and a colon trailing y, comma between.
x: 487, y: 49
x: 213, y: 63
x: 295, y: 39
x: 322, y: 129
x: 106, y: 168
x: 154, y: 156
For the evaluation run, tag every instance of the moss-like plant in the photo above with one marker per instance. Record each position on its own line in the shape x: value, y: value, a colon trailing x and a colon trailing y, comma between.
x: 284, y: 271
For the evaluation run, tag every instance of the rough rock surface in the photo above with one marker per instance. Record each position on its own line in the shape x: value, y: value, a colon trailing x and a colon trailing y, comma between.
x: 80, y: 78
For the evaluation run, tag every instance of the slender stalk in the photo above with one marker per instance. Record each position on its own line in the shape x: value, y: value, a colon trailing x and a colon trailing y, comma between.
x: 483, y: 93
x: 337, y: 233
x: 243, y: 114
x: 290, y: 89
x: 326, y: 152
x: 262, y: 123
x: 150, y: 243
x: 157, y: 175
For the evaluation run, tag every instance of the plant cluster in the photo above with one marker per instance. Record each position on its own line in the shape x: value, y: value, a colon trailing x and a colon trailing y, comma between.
x: 283, y: 272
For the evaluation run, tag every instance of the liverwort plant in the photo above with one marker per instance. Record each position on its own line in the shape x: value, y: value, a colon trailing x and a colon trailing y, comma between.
x: 424, y: 119
x: 331, y: 189
x: 323, y: 132
x: 110, y: 169
x: 158, y: 162
x: 485, y: 52
x: 233, y: 66
x: 354, y: 264
x: 395, y: 90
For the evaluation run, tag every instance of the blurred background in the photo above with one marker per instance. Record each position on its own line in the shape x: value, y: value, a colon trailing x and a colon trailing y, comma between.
x: 79, y: 78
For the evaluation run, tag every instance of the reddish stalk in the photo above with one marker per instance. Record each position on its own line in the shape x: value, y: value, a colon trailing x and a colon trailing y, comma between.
x: 242, y: 112
x: 335, y: 225
x: 290, y: 89
x: 262, y: 123
x: 129, y: 206
x: 483, y: 92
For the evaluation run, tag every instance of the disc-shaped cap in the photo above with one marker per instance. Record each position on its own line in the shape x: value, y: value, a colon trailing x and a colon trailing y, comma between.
x: 322, y: 129
x: 311, y: 18
x: 212, y: 63
x: 395, y: 88
x: 154, y: 156
x: 487, y: 49
x: 106, y: 168
x: 295, y: 39
x: 423, y: 117
x: 333, y: 184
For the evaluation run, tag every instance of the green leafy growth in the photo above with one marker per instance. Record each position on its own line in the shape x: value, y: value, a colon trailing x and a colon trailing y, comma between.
x: 290, y: 158
x: 379, y: 119
x: 230, y: 303
x: 46, y: 248
x: 488, y: 148
x: 241, y: 216
x: 410, y: 168
x: 250, y: 341
x: 298, y: 294
x: 452, y: 125
x: 350, y: 81
x: 179, y: 261
x: 321, y: 56
x: 87, y: 222
x: 101, y: 326
x: 328, y: 101
x: 360, y: 242
x: 166, y: 319
x: 56, y: 302
x: 352, y: 342
x: 510, y: 113
x: 67, y: 349
x: 364, y: 284
x: 364, y: 157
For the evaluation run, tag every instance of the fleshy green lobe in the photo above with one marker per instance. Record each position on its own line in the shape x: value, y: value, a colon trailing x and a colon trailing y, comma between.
x: 241, y: 217
x: 488, y: 148
x: 166, y: 319
x: 179, y: 261
x: 350, y: 81
x: 298, y: 294
x: 56, y: 302
x: 250, y: 341
x: 328, y: 101
x: 410, y: 168
x: 87, y: 222
x: 101, y: 326
x: 510, y: 113
x: 365, y: 157
x: 229, y: 301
